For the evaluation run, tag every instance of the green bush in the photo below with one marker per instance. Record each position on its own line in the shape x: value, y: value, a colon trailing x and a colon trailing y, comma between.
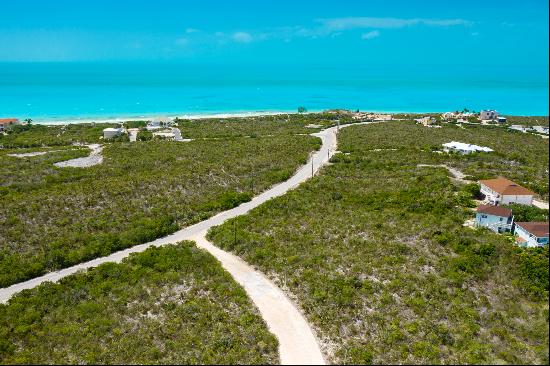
x: 166, y: 305
x: 375, y: 252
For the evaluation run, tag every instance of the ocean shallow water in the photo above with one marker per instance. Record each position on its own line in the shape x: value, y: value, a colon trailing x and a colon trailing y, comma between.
x: 82, y: 91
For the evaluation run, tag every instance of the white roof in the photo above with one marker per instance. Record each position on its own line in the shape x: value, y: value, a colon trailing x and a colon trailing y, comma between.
x: 165, y: 134
x: 162, y: 119
x: 466, y: 147
x: 110, y: 129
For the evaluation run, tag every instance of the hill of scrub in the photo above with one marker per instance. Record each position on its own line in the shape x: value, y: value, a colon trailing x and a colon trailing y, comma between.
x: 55, y: 217
x: 169, y: 305
x: 374, y: 251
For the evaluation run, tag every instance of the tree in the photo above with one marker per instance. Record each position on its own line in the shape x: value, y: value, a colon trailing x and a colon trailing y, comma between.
x: 28, y: 121
x: 302, y: 109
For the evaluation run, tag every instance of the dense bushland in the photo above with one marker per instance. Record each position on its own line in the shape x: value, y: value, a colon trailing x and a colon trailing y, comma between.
x: 55, y: 135
x: 55, y: 217
x: 169, y: 305
x: 375, y: 252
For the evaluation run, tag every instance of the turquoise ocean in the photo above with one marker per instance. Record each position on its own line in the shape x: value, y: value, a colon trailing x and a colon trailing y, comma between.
x: 58, y: 92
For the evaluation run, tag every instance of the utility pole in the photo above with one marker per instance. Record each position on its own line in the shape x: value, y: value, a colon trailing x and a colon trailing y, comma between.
x: 234, y: 234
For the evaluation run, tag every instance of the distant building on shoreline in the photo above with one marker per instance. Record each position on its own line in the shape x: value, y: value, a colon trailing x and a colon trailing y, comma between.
x: 488, y: 115
x: 426, y: 121
x: 109, y: 133
x: 540, y: 129
x: 5, y: 123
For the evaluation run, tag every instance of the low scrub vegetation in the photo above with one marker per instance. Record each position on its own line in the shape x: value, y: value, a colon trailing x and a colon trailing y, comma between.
x: 523, y: 213
x: 56, y: 217
x: 520, y: 157
x: 527, y: 120
x: 54, y: 135
x: 169, y: 305
x: 259, y: 126
x: 374, y: 251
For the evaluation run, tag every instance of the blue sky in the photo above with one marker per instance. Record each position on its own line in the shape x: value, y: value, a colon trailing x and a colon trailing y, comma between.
x: 295, y: 32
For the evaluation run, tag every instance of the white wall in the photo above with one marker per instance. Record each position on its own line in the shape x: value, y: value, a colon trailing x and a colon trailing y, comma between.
x: 531, y: 240
x: 523, y: 200
x: 489, y: 193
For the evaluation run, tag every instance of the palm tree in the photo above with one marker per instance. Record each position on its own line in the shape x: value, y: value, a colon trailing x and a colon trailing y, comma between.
x: 28, y: 121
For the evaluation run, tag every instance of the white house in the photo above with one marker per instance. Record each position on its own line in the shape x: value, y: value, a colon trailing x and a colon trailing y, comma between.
x: 168, y: 135
x: 501, y: 191
x: 496, y: 218
x: 488, y: 114
x: 531, y: 234
x: 519, y: 128
x: 109, y: 133
x: 449, y: 115
x: 540, y: 129
x: 463, y: 148
x: 426, y: 121
x: 159, y: 123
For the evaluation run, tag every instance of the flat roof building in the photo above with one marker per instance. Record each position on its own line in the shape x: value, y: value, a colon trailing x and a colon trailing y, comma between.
x: 463, y: 148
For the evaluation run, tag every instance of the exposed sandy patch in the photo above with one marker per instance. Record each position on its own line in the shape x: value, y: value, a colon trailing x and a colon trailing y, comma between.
x: 30, y: 154
x: 94, y: 158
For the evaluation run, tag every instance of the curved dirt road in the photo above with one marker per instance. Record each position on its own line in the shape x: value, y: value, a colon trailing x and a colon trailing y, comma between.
x: 297, y: 343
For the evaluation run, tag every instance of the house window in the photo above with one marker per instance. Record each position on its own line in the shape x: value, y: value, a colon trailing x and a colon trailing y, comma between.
x: 483, y: 216
x: 501, y: 219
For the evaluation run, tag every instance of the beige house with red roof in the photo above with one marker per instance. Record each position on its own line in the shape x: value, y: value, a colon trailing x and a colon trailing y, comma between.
x: 501, y: 191
x: 7, y: 122
x: 531, y: 234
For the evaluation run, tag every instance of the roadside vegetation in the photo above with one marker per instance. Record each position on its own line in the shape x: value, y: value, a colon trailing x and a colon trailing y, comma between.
x: 168, y: 305
x: 374, y: 251
x: 56, y: 217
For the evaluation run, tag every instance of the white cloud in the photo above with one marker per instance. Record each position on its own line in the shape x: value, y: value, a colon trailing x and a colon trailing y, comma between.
x: 242, y: 37
x: 340, y: 24
x: 182, y: 41
x: 370, y: 35
x: 330, y: 27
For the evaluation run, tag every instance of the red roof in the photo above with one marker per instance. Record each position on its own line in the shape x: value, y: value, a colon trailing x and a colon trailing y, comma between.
x: 7, y: 121
x: 538, y: 229
x: 495, y: 210
x: 506, y: 187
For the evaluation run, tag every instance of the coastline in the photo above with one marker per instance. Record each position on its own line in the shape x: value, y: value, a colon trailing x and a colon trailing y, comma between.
x: 197, y: 116
x: 124, y: 118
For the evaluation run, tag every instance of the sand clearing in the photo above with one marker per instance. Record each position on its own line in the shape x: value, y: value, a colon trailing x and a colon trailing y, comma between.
x: 94, y: 158
x: 30, y: 154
